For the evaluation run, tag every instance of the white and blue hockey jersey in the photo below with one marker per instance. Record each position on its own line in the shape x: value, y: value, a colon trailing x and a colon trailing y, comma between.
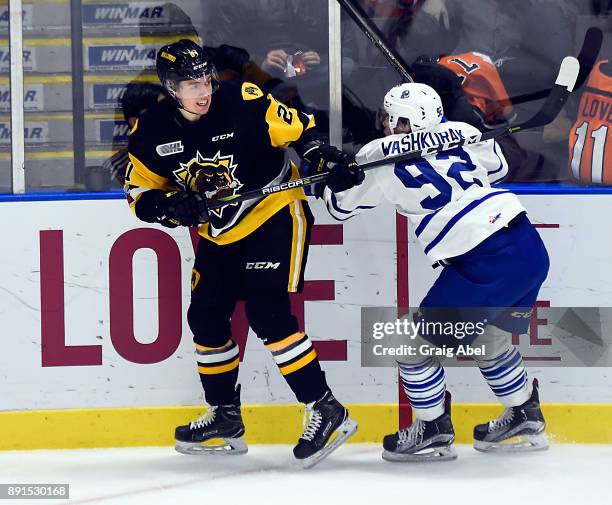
x: 447, y: 197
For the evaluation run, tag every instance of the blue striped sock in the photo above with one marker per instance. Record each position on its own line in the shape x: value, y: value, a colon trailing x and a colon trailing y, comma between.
x: 425, y: 386
x: 507, y: 377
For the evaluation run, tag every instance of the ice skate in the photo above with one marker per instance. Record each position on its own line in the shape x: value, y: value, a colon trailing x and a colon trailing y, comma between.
x: 423, y: 440
x: 219, y: 430
x: 329, y: 426
x: 518, y: 429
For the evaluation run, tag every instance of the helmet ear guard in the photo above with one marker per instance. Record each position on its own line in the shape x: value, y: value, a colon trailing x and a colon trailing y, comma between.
x: 418, y: 103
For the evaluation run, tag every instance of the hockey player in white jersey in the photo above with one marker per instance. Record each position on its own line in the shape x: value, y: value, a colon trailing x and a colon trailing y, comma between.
x: 493, y: 264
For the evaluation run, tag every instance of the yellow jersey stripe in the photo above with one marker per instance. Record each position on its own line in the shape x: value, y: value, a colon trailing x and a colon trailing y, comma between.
x: 297, y: 245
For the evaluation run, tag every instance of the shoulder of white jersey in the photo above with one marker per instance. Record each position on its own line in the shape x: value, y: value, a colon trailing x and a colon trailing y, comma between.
x: 465, y: 128
x: 372, y: 150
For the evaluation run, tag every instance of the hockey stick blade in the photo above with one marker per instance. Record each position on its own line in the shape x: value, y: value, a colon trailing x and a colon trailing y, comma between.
x: 586, y: 57
x: 566, y: 80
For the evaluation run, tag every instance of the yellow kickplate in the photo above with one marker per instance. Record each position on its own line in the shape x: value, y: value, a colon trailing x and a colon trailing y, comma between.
x: 265, y: 424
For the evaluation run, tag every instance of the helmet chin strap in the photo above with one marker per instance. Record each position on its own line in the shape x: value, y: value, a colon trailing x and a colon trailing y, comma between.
x: 180, y: 105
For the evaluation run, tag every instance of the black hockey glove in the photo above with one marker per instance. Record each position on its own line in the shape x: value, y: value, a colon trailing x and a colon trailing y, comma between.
x: 185, y: 209
x: 177, y: 208
x: 345, y: 175
x: 323, y: 158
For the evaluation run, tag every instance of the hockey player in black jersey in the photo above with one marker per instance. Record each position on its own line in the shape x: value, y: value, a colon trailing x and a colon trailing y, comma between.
x: 210, y: 140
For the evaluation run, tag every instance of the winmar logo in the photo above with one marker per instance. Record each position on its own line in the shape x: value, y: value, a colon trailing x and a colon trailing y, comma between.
x: 124, y: 13
x: 125, y: 55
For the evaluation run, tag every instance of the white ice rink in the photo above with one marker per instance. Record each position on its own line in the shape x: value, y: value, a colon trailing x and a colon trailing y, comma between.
x: 355, y: 474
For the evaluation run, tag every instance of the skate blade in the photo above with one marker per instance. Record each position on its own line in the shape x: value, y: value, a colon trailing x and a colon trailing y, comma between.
x: 229, y: 447
x: 446, y: 453
x: 345, y: 431
x: 519, y: 443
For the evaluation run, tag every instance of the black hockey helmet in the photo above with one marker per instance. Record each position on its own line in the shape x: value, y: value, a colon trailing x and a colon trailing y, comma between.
x: 184, y: 60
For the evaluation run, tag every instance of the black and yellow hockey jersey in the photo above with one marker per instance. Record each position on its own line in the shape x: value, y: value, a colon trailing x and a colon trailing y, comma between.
x: 236, y: 147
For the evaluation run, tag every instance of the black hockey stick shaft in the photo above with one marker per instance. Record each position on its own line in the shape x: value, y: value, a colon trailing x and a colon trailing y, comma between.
x: 367, y: 26
x: 587, y: 58
x: 564, y: 85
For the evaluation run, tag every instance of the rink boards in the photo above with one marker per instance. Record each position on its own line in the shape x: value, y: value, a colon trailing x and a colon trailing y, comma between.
x: 93, y: 306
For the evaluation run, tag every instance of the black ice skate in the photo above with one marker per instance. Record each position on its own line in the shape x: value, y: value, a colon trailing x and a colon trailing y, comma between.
x: 329, y: 426
x: 221, y: 424
x: 518, y: 429
x: 423, y: 440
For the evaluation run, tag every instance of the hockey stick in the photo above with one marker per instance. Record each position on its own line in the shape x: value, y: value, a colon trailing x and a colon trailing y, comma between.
x: 587, y: 57
x: 367, y: 26
x: 564, y: 85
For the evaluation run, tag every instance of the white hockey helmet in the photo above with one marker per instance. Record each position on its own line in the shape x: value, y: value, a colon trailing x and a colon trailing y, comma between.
x: 419, y: 103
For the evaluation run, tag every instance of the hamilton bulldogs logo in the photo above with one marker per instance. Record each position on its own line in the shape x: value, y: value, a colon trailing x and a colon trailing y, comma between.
x: 213, y: 177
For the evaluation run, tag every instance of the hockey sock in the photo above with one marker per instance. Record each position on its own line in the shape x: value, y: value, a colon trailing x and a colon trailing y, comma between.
x: 297, y: 361
x: 218, y: 368
x: 425, y: 385
x: 507, y: 377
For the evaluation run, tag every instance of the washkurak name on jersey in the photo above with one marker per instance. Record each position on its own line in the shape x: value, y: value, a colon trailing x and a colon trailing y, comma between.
x: 419, y: 141
x: 122, y: 13
x: 130, y: 56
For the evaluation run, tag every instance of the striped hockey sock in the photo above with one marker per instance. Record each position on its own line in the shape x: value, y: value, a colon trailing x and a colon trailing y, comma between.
x: 507, y: 377
x: 297, y: 361
x: 218, y: 368
x: 425, y: 386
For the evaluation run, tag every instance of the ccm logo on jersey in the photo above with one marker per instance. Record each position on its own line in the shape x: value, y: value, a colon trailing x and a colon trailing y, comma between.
x: 170, y: 148
x: 262, y: 265
x: 223, y: 137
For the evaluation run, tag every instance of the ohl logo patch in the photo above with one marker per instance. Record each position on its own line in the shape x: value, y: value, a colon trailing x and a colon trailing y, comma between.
x: 213, y: 177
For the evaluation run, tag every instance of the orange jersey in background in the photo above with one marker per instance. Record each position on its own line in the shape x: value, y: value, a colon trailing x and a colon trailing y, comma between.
x: 481, y: 83
x: 590, y: 141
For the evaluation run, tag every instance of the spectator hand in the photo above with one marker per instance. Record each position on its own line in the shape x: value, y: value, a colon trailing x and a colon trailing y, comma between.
x: 185, y: 209
x: 311, y: 59
x: 276, y: 60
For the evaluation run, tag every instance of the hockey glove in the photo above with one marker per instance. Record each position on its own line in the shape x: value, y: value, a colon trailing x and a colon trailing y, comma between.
x: 345, y: 175
x: 320, y: 158
x: 185, y: 209
x: 172, y: 209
